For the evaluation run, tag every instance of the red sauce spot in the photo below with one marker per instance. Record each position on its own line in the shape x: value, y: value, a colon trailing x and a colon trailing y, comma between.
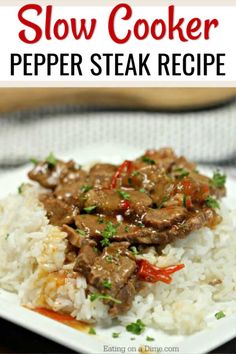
x: 62, y: 318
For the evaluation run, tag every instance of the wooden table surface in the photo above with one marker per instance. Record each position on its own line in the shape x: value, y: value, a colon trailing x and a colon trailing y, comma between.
x: 170, y: 99
x: 14, y: 339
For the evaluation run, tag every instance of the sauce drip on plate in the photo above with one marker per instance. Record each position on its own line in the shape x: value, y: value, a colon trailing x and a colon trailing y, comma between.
x: 63, y: 318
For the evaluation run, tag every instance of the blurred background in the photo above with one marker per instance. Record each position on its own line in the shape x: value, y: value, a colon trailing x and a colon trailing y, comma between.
x: 197, y: 122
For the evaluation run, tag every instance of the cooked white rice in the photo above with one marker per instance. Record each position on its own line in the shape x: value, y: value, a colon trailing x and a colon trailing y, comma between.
x: 32, y: 255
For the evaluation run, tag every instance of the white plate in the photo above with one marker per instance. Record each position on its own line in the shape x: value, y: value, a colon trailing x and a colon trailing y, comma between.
x: 201, y: 342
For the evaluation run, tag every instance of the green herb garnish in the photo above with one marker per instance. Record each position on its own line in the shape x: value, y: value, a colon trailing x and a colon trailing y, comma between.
x: 212, y: 202
x: 181, y: 172
x: 218, y: 180
x: 124, y: 195
x: 136, y: 327
x: 135, y: 173
x: 109, y: 231
x: 95, y: 249
x: 34, y: 161
x: 134, y: 250
x: 126, y: 228
x: 81, y: 232
x: 51, y: 160
x: 85, y: 189
x: 147, y: 160
x: 6, y: 237
x: 142, y: 190
x: 20, y: 188
x: 115, y: 334
x: 219, y: 315
x: 107, y: 284
x: 109, y: 259
x: 163, y: 202
x: 92, y: 330
x: 184, y: 201
x: 95, y: 296
x: 150, y: 339
x: 139, y: 224
x: 90, y: 209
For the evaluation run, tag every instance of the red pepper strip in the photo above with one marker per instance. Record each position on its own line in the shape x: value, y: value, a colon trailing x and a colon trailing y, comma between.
x: 126, y: 164
x: 150, y: 273
x: 188, y: 202
x: 125, y: 204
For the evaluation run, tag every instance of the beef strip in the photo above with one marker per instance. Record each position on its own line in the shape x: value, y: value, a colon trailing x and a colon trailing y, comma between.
x: 71, y: 253
x: 118, y: 269
x: 75, y: 238
x: 58, y: 212
x: 100, y: 175
x: 219, y: 192
x: 126, y: 295
x: 71, y: 192
x: 94, y: 226
x: 163, y: 158
x: 182, y: 163
x: 173, y: 223
x: 115, y: 266
x: 151, y: 236
x: 49, y: 176
x: 164, y: 218
x: 86, y: 258
x: 109, y: 202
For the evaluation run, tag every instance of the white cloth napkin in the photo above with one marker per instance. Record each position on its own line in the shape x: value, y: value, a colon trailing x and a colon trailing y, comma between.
x: 205, y: 136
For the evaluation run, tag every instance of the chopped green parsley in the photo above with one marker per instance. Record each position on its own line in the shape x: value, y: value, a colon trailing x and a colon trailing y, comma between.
x: 6, y: 237
x: 107, y: 284
x: 219, y: 315
x: 85, y: 189
x: 51, y: 160
x: 109, y: 259
x: 95, y: 296
x: 163, y: 202
x: 135, y: 173
x: 181, y: 172
x: 136, y: 327
x: 212, y: 202
x: 142, y: 190
x: 150, y: 339
x: 34, y: 161
x: 92, y: 330
x: 218, y: 180
x: 81, y: 232
x: 124, y: 195
x: 115, y: 334
x: 134, y: 250
x: 109, y: 231
x: 20, y: 188
x: 147, y: 160
x: 90, y: 209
